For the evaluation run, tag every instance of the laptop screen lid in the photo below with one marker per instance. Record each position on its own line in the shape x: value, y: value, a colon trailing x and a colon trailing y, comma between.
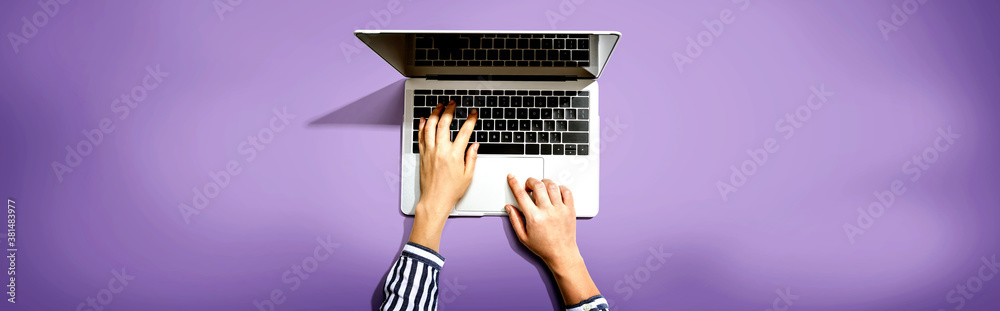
x: 530, y: 54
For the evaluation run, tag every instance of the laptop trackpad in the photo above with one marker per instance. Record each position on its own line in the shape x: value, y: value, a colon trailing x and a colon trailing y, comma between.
x: 489, y: 191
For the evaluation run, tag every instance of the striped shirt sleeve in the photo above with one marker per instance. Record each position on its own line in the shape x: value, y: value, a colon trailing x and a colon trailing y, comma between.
x: 596, y: 303
x: 412, y: 283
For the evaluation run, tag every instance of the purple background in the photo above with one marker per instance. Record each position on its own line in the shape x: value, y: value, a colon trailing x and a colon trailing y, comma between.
x: 331, y: 172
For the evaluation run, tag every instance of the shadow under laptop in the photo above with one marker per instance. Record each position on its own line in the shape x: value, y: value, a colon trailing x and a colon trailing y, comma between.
x: 380, y: 108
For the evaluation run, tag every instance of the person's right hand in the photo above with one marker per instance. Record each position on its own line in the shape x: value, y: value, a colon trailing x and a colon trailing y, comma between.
x: 546, y: 222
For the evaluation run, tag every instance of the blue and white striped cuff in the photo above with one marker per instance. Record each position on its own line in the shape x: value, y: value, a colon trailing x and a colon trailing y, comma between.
x: 591, y: 304
x: 423, y: 254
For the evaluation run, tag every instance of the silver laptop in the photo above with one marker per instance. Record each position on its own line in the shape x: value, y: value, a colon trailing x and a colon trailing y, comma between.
x: 537, y: 96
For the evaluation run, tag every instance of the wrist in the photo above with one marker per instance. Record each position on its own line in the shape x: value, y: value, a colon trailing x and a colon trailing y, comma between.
x: 566, y: 263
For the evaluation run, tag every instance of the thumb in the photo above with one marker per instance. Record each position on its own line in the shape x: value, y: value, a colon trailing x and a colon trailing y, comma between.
x: 517, y: 221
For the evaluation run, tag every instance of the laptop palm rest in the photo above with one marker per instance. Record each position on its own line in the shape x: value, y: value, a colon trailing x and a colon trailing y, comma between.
x: 489, y: 191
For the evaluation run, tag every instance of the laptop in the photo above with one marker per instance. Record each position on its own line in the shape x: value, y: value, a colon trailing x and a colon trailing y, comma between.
x: 537, y: 96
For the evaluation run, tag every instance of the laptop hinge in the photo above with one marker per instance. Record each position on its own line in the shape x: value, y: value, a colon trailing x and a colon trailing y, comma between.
x: 500, y: 78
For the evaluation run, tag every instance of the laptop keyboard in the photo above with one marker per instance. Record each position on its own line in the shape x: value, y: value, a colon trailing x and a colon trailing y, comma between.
x: 502, y: 50
x: 515, y: 121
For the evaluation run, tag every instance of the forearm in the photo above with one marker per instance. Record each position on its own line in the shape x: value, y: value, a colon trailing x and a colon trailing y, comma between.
x: 573, y: 279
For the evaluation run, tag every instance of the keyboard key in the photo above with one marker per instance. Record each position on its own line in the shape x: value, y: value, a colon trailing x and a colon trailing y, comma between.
x: 555, y: 137
x: 492, y: 54
x: 506, y: 137
x: 546, y: 149
x: 515, y: 101
x: 524, y: 125
x: 571, y: 44
x: 512, y: 125
x: 467, y: 101
x: 416, y: 148
x: 549, y: 126
x: 504, y: 54
x: 485, y: 113
x: 462, y: 113
x: 565, y: 55
x: 421, y: 112
x: 531, y: 137
x: 430, y: 101
x: 418, y: 100
x: 547, y: 44
x: 479, y: 125
x: 546, y: 113
x: 578, y: 126
x: 487, y: 125
x: 531, y: 149
x: 583, y: 93
x: 528, y: 102
x: 557, y: 149
x: 416, y: 136
x: 561, y: 126
x: 480, y: 101
x: 449, y: 92
x: 522, y: 113
x: 559, y: 44
x: 500, y: 125
x: 501, y: 148
x: 552, y: 102
x: 416, y: 124
x: 518, y: 137
x: 534, y: 93
x: 536, y: 125
x: 575, y: 138
x: 517, y: 55
x: 583, y: 43
x: 494, y: 137
x: 510, y: 113
x: 546, y: 93
x: 535, y: 44
x: 491, y: 101
x: 570, y: 149
x: 582, y: 149
x: 539, y: 101
x: 543, y: 137
x: 571, y: 114
x: 454, y: 125
x: 584, y: 114
x: 581, y: 102
x: 558, y: 113
x: 504, y: 101
x: 423, y: 63
x: 482, y: 136
x: 565, y: 102
x: 424, y: 92
x: 533, y: 113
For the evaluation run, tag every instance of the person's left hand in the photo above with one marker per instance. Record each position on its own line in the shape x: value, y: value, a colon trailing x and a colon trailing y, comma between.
x: 445, y: 167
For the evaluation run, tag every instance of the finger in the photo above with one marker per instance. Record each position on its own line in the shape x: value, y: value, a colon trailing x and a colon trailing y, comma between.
x: 523, y: 200
x: 466, y: 131
x: 470, y: 158
x: 553, y: 190
x: 430, y: 128
x: 517, y: 221
x: 420, y: 135
x: 567, y: 197
x: 444, y: 124
x: 538, y: 190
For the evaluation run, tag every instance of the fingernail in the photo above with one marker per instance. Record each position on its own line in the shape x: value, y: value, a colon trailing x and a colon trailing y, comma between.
x: 510, y: 176
x: 475, y: 147
x: 475, y: 111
